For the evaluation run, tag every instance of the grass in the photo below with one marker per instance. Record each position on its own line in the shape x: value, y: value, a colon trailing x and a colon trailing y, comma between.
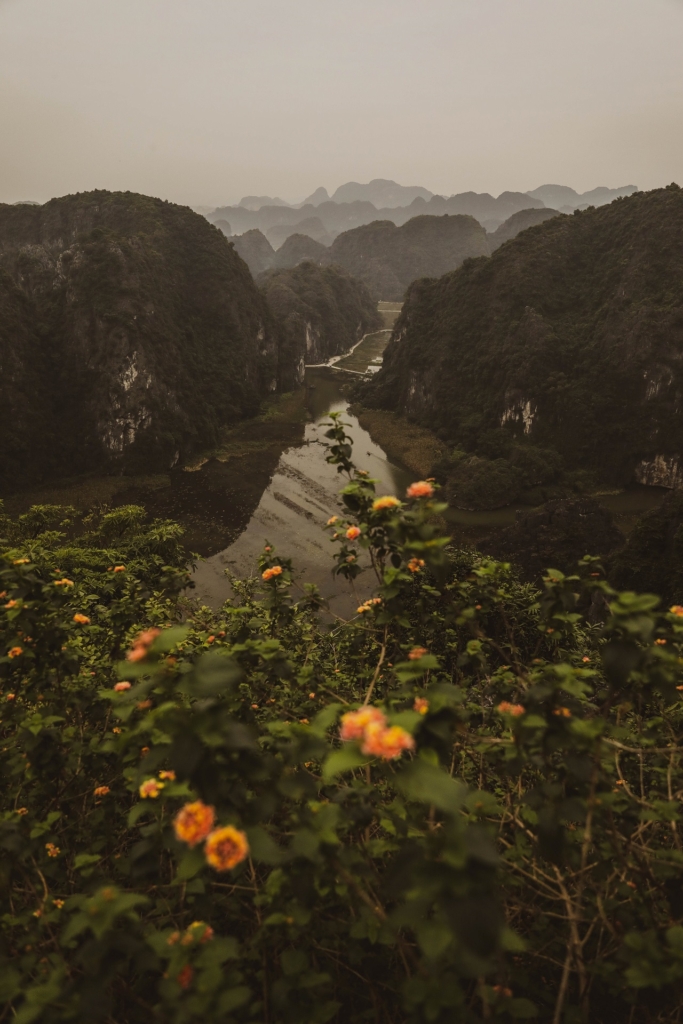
x: 415, y: 447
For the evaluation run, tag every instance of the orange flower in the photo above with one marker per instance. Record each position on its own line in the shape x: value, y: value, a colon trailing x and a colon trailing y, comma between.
x: 58, y: 904
x: 193, y: 822
x: 226, y: 848
x: 421, y: 704
x: 82, y: 620
x: 501, y: 990
x: 173, y: 938
x: 101, y: 790
x: 354, y: 723
x: 120, y: 687
x: 21, y: 561
x: 386, y: 501
x: 198, y: 930
x: 585, y: 659
x: 268, y: 574
x: 562, y: 712
x: 210, y: 639
x: 150, y: 788
x: 119, y: 568
x: 676, y: 609
x: 142, y: 644
x: 417, y: 653
x: 185, y: 977
x: 352, y: 533
x: 420, y: 489
x: 22, y: 811
x: 52, y: 850
x: 415, y: 564
x: 11, y: 604
x: 506, y: 708
x: 386, y: 743
x: 167, y: 775
x: 660, y: 640
x: 64, y: 583
x: 14, y: 652
x: 332, y: 520
x: 11, y: 696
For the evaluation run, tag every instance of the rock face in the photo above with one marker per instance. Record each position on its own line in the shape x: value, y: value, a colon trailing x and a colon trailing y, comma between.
x: 321, y: 312
x: 569, y: 337
x: 518, y: 222
x: 651, y: 561
x: 555, y: 536
x: 130, y: 330
x: 255, y: 250
x: 387, y: 258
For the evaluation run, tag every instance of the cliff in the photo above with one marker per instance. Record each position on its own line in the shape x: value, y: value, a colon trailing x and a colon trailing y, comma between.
x: 569, y: 337
x: 321, y: 311
x: 387, y: 258
x: 130, y: 330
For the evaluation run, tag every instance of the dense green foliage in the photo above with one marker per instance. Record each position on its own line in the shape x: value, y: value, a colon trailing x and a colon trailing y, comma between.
x: 507, y: 846
x: 569, y: 336
x: 652, y: 558
x: 517, y: 222
x: 134, y: 328
x: 387, y: 259
x: 321, y: 311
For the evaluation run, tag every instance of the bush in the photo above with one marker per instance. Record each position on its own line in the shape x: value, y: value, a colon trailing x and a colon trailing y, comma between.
x: 463, y: 803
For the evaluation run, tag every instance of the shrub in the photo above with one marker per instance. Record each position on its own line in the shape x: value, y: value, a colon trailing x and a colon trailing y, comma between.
x: 463, y: 803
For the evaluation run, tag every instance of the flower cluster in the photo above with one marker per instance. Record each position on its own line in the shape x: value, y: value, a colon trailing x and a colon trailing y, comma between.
x: 416, y: 564
x: 142, y: 644
x: 421, y: 704
x: 81, y: 619
x: 269, y: 574
x: 506, y: 708
x: 225, y: 847
x: 64, y: 583
x: 417, y: 653
x: 369, y: 726
x: 52, y: 850
x: 198, y: 931
x: 150, y: 788
x: 386, y: 501
x: 420, y: 489
x: 353, y: 533
x: 368, y: 605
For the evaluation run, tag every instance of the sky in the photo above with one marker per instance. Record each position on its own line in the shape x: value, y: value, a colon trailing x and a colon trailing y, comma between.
x: 204, y: 101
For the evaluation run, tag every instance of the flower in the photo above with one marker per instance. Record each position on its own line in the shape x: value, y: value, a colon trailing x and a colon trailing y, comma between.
x: 332, y: 520
x: 185, y: 977
x: 116, y: 730
x: 11, y: 604
x: 226, y: 848
x: 210, y: 639
x: 660, y: 640
x: 150, y: 788
x: 58, y: 904
x: 311, y: 696
x: 11, y: 696
x: 101, y: 790
x: 64, y: 583
x: 415, y: 564
x: 417, y: 653
x: 268, y: 574
x: 22, y: 811
x: 119, y: 568
x: 192, y: 933
x: 421, y: 704
x: 21, y: 561
x: 676, y: 609
x: 120, y: 687
x: 82, y: 620
x: 193, y: 822
x: 585, y: 659
x: 420, y: 489
x: 562, y: 712
x: 386, y: 501
x: 506, y: 708
x: 350, y: 558
x: 14, y: 652
x: 354, y: 723
x: 501, y: 990
x: 142, y: 644
x: 363, y: 608
x: 352, y: 533
x: 52, y: 850
x: 386, y: 743
x: 173, y: 938
x: 167, y: 775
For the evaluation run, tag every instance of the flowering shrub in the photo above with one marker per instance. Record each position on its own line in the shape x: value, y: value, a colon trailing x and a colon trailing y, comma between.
x: 464, y: 803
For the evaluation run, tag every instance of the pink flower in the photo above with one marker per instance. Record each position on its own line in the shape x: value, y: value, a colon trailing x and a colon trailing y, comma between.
x: 420, y: 489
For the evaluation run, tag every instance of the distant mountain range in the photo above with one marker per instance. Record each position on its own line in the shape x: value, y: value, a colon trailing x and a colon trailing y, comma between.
x: 352, y: 205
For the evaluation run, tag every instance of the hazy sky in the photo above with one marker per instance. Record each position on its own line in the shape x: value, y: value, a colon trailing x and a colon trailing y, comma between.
x: 203, y: 101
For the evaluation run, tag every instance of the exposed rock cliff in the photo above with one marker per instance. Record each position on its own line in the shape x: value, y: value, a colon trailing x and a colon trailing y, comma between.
x: 570, y: 336
x: 129, y: 331
x: 321, y: 311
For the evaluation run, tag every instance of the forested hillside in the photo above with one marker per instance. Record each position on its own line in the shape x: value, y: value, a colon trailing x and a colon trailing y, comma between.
x: 321, y: 311
x: 570, y: 337
x: 130, y: 330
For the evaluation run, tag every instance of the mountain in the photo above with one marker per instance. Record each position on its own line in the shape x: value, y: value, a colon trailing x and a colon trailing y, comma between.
x: 296, y: 248
x: 255, y: 249
x: 516, y: 223
x: 380, y: 192
x: 321, y: 311
x: 130, y: 330
x: 387, y: 258
x: 570, y: 337
x: 256, y: 202
x: 319, y: 196
x: 567, y: 199
x: 313, y: 227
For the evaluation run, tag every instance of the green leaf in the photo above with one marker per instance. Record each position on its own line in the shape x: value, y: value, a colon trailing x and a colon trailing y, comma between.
x: 262, y: 847
x: 343, y: 760
x: 428, y: 784
x: 192, y: 862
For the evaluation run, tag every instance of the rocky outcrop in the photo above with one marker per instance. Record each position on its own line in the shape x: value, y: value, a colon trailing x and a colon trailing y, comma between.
x: 130, y: 330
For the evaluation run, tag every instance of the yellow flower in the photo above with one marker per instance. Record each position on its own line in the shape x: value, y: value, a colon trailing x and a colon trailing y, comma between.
x: 21, y: 561
x: 52, y: 850
x: 387, y: 501
x: 64, y: 583
x: 167, y: 775
x: 82, y: 620
x: 151, y: 788
x: 226, y: 848
x: 332, y: 520
x: 193, y: 822
x: 421, y: 704
x: 14, y: 652
x: 676, y: 609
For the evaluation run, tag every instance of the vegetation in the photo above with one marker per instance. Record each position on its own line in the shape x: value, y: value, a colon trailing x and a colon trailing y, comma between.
x: 517, y: 222
x: 131, y: 332
x: 298, y: 247
x: 567, y: 338
x: 462, y: 804
x: 255, y: 250
x: 321, y: 311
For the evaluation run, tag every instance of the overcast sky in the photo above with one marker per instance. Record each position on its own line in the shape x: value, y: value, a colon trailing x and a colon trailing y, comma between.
x: 203, y: 101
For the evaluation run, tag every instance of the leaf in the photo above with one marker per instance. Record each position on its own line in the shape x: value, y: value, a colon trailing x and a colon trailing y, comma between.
x: 234, y: 998
x: 325, y: 719
x: 262, y: 847
x: 343, y: 760
x: 428, y: 784
x: 192, y: 862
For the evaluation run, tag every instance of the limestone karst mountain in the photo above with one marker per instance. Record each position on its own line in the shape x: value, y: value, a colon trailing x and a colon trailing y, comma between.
x: 516, y: 223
